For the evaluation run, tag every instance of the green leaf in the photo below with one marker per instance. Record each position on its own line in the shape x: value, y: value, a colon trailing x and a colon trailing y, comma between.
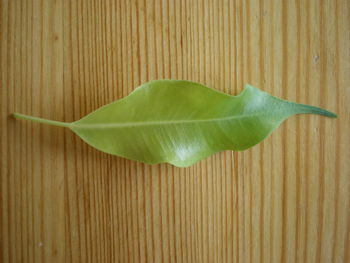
x: 182, y: 122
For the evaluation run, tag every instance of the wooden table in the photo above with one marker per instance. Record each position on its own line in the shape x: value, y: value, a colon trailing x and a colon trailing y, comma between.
x: 285, y: 200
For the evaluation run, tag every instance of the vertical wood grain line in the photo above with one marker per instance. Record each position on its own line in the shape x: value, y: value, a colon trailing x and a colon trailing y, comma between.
x: 262, y: 159
x: 134, y: 252
x: 323, y: 80
x: 121, y: 82
x: 152, y: 215
x: 298, y: 130
x: 221, y: 169
x: 285, y: 61
x: 229, y: 217
x: 242, y: 177
x: 25, y: 220
x: 147, y: 60
x: 138, y: 42
x: 95, y: 53
x: 160, y: 214
x: 20, y: 185
x: 175, y: 38
x: 41, y: 134
x: 248, y: 182
x: 173, y: 204
x: 155, y: 54
x: 272, y: 66
x: 15, y: 173
x: 308, y: 127
x: 76, y: 158
x: 234, y: 156
x: 27, y: 151
x: 114, y: 52
x: 2, y: 139
x: 159, y: 168
x: 85, y: 190
x: 31, y: 131
x: 4, y: 249
x: 338, y: 135
x: 347, y: 239
x: 108, y: 184
x: 9, y: 235
x: 87, y: 81
x: 67, y: 224
x: 169, y: 40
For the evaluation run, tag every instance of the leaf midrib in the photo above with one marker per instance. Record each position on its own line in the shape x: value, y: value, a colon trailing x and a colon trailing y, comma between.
x: 167, y: 122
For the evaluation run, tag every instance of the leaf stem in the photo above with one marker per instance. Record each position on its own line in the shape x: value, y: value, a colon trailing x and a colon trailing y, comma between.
x: 41, y: 120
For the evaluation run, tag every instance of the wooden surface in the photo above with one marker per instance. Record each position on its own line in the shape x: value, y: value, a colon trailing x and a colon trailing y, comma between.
x: 285, y: 200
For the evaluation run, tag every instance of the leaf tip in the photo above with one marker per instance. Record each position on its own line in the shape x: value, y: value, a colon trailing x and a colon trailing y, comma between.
x: 316, y: 110
x: 332, y: 115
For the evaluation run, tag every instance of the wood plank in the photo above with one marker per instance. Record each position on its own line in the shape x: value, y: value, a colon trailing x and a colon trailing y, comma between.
x: 285, y: 200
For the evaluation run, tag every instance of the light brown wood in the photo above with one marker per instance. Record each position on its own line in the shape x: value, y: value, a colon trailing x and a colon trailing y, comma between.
x: 285, y: 200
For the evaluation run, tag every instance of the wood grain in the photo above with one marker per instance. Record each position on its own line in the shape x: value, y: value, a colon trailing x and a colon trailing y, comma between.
x: 285, y: 200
